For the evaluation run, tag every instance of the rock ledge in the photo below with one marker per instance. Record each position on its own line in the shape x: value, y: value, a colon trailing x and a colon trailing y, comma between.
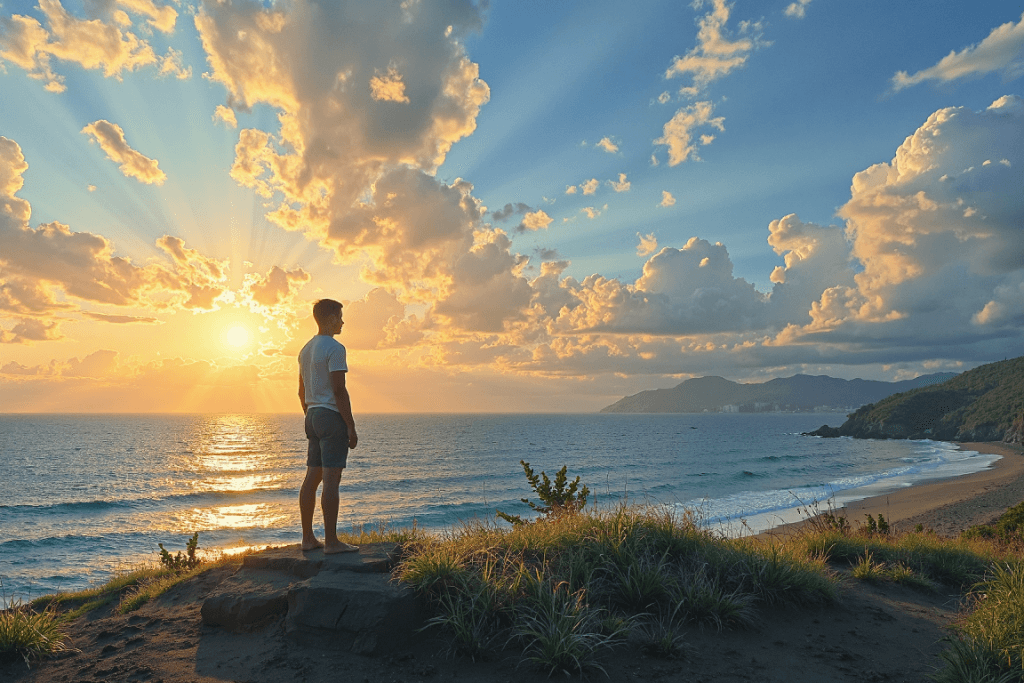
x: 346, y: 600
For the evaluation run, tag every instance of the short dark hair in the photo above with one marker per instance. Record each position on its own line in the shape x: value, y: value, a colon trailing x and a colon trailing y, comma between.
x: 324, y: 309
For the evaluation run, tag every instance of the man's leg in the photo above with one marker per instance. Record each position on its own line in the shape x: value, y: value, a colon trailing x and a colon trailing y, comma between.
x: 307, y: 503
x: 329, y: 505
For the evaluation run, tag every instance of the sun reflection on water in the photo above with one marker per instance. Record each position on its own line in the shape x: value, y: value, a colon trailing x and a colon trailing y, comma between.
x: 261, y: 515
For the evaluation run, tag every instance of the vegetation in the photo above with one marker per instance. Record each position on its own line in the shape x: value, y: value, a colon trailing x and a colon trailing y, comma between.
x: 179, y: 562
x: 29, y: 633
x: 574, y: 584
x: 558, y: 499
x: 984, y: 404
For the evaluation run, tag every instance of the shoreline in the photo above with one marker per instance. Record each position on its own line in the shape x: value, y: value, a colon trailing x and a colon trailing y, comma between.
x: 946, y: 506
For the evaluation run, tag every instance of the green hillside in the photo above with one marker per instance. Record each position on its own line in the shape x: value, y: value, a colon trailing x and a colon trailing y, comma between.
x: 984, y: 404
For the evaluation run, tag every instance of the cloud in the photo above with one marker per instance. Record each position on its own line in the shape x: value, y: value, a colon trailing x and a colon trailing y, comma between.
x: 388, y: 86
x: 510, y: 210
x: 225, y: 114
x: 487, y: 289
x: 816, y: 259
x: 90, y: 43
x: 935, y: 234
x: 715, y: 54
x: 171, y: 65
x: 1001, y: 51
x: 133, y: 164
x: 797, y: 9
x: 119, y: 319
x: 681, y: 292
x: 28, y: 330
x: 607, y: 145
x: 536, y: 220
x: 36, y: 262
x: 25, y: 298
x: 667, y: 199
x: 570, y: 189
x: 374, y: 320
x: 678, y: 132
x: 347, y: 167
x: 97, y: 364
x: 648, y: 244
x: 622, y: 185
x: 590, y: 212
x: 590, y: 186
x: 277, y: 288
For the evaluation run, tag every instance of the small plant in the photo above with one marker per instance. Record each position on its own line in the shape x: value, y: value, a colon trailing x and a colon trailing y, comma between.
x: 471, y: 621
x: 867, y: 569
x: 560, y: 632
x: 904, y: 575
x: 662, y: 637
x: 883, y: 525
x: 641, y: 583
x: 179, y: 562
x: 558, y: 498
x: 831, y: 520
x: 30, y: 634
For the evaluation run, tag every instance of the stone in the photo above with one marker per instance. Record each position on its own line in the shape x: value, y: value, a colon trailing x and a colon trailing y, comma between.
x: 347, y: 600
x: 361, y: 612
x: 247, y: 599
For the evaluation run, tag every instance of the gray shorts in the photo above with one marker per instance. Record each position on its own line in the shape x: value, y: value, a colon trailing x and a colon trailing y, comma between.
x: 328, y: 438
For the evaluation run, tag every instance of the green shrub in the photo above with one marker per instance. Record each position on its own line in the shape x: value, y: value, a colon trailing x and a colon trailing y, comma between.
x: 179, y: 562
x: 558, y: 498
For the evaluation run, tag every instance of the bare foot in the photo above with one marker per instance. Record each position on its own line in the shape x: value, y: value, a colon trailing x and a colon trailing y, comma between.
x: 311, y: 545
x: 340, y: 548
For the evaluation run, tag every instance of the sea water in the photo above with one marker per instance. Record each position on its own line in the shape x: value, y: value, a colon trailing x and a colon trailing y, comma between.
x: 82, y: 496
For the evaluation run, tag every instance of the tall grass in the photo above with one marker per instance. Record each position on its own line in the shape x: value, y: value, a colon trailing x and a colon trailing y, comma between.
x: 989, y: 644
x: 568, y: 588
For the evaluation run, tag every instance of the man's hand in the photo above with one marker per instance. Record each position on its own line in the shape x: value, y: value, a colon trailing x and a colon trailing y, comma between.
x: 353, y: 438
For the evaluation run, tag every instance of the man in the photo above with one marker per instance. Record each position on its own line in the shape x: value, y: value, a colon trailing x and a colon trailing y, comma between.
x: 329, y: 426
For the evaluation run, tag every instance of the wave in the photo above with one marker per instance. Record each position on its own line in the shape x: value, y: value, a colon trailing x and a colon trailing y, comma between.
x: 198, y: 498
x: 841, y: 490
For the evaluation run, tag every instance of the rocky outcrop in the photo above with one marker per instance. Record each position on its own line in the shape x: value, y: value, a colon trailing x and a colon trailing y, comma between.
x: 346, y: 601
x: 983, y: 404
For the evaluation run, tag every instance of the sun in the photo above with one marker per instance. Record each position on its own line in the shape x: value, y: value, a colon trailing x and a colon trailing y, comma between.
x: 237, y: 336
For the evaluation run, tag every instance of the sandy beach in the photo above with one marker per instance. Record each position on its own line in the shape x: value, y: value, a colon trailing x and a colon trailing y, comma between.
x: 947, y: 506
x: 876, y: 632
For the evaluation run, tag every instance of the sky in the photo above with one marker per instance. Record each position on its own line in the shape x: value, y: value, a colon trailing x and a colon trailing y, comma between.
x: 524, y: 206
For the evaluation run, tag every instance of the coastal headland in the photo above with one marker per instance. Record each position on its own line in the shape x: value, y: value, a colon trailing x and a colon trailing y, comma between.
x: 875, y: 632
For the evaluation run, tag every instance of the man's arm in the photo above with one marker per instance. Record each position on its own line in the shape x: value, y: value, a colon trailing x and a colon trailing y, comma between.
x: 302, y: 393
x: 344, y: 405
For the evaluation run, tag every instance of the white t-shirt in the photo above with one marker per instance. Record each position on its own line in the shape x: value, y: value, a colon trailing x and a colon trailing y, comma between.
x: 321, y: 356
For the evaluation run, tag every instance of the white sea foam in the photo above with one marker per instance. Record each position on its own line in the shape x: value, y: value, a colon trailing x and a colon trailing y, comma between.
x: 752, y: 512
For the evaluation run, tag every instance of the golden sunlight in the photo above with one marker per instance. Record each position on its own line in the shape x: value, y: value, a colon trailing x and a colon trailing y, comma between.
x: 237, y: 336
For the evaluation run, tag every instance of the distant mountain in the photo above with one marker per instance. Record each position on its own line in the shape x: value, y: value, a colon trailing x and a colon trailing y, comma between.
x: 983, y: 404
x: 800, y: 393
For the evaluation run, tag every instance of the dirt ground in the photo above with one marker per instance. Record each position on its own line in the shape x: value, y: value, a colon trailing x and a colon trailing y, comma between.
x: 875, y: 633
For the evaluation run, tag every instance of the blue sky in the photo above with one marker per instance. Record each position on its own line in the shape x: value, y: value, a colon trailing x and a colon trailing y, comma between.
x: 221, y: 165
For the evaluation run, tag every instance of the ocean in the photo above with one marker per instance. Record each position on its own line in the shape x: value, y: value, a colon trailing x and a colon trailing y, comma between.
x: 83, y: 496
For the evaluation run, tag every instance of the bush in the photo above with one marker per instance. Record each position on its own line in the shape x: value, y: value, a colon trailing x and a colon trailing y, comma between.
x: 179, y: 562
x: 558, y: 499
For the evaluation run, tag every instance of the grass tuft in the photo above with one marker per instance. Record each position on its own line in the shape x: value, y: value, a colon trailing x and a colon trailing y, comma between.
x: 29, y: 633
